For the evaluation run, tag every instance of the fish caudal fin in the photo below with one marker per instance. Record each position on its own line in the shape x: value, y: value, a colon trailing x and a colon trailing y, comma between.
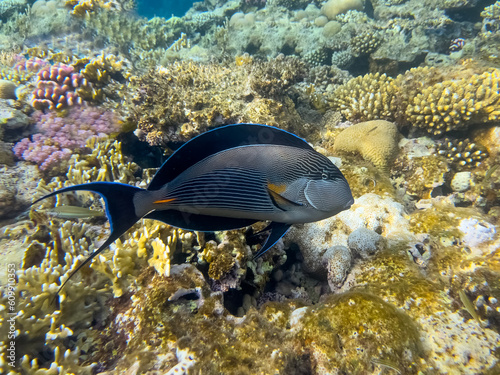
x: 277, y: 230
x: 120, y: 210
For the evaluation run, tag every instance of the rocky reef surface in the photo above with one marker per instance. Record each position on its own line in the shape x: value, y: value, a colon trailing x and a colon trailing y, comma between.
x: 402, y: 95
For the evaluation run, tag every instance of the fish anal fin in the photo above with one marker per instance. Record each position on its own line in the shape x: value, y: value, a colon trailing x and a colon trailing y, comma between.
x: 277, y: 230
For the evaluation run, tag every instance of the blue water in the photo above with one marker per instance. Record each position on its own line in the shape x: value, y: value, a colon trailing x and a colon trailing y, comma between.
x: 163, y: 8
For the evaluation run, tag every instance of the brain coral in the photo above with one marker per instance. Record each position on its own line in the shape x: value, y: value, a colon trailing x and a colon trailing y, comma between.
x: 376, y: 141
x: 7, y: 89
x: 435, y: 99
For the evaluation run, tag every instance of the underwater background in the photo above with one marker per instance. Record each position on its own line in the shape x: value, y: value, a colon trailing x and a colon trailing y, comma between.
x: 403, y: 95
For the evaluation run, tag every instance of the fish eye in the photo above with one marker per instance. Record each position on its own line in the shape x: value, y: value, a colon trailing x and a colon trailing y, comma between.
x: 324, y: 176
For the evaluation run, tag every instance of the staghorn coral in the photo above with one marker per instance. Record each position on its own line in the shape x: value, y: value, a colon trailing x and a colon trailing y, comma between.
x: 376, y: 141
x: 132, y: 35
x: 423, y: 98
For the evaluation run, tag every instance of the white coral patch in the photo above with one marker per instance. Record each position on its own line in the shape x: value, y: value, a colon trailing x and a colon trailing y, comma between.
x: 476, y: 233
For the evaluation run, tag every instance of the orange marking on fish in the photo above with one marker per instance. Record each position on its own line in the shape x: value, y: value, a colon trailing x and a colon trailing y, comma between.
x: 165, y: 200
x: 278, y: 189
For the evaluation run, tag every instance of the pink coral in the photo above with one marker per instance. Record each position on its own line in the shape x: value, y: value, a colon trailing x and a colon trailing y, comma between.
x: 55, y: 87
x: 58, y: 136
x: 29, y: 65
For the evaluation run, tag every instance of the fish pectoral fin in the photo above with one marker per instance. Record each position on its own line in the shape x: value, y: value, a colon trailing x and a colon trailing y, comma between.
x: 280, y: 201
x: 277, y: 230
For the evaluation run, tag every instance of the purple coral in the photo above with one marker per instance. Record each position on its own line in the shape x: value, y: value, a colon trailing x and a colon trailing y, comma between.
x: 56, y: 87
x: 58, y: 136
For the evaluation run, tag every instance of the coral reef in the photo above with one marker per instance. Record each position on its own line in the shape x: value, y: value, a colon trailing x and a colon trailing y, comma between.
x: 406, y: 281
x: 165, y: 113
x: 422, y: 97
x: 56, y: 87
x: 59, y: 136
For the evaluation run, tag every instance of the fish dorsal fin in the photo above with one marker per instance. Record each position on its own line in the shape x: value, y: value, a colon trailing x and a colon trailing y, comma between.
x: 220, y: 139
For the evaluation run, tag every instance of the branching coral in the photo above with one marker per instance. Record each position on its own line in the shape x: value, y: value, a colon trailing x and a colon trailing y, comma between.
x: 271, y: 80
x: 101, y: 72
x: 183, y: 99
x: 423, y: 98
x: 60, y: 136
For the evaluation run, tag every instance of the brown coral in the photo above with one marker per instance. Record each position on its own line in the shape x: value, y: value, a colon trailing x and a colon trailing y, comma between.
x: 183, y: 99
x: 7, y: 89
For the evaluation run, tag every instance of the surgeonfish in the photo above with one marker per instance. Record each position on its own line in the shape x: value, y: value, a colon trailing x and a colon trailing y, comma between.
x: 228, y: 178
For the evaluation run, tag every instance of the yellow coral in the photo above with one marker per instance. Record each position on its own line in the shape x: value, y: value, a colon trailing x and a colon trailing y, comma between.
x: 376, y: 141
x: 82, y: 7
x: 433, y: 99
x: 364, y: 98
x: 456, y: 104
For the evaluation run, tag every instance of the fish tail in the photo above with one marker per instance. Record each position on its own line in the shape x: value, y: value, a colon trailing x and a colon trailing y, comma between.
x: 120, y: 210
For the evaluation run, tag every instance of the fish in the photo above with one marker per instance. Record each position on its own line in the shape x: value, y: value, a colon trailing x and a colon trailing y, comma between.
x: 228, y: 178
x: 469, y: 307
x: 72, y: 212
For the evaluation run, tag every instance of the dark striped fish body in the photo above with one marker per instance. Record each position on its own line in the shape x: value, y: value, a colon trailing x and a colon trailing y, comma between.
x: 261, y: 182
x: 229, y: 178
